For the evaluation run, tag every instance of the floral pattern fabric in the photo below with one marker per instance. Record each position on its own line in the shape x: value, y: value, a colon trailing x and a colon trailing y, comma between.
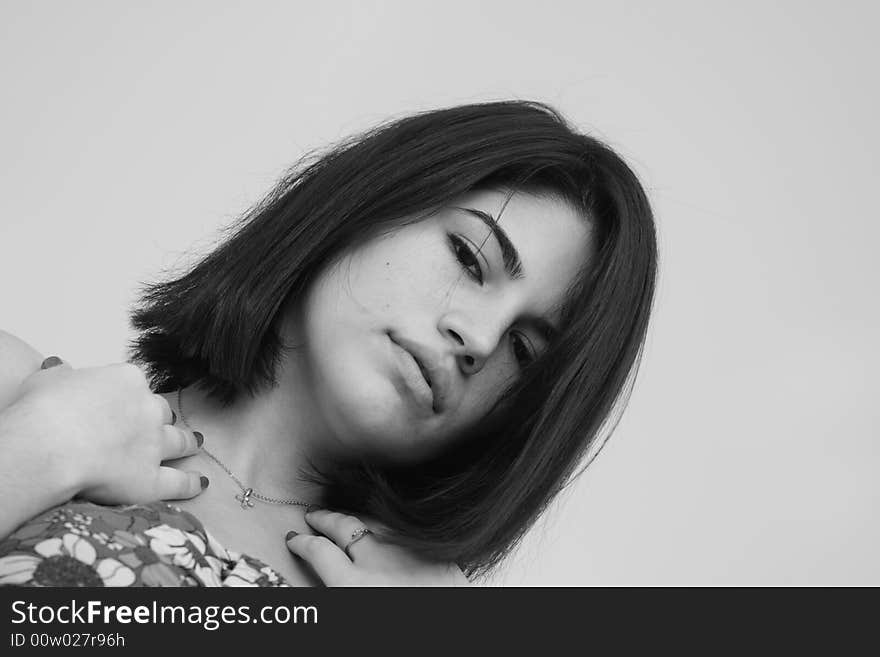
x: 84, y: 544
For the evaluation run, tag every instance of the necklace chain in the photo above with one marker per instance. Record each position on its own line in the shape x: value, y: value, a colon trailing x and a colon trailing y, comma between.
x: 247, y: 493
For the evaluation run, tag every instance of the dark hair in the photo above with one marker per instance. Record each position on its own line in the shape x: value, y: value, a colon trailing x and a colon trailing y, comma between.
x: 217, y: 324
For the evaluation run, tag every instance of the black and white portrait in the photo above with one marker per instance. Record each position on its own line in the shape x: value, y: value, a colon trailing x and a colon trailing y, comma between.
x: 438, y: 294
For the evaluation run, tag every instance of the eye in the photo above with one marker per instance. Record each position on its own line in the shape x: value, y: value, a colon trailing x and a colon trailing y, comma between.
x: 522, y: 348
x: 466, y: 257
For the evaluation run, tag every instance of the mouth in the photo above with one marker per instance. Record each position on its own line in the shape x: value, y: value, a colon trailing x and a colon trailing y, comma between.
x: 422, y: 384
x: 423, y: 370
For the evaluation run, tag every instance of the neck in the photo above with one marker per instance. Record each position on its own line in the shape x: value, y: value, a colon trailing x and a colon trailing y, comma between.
x: 263, y: 439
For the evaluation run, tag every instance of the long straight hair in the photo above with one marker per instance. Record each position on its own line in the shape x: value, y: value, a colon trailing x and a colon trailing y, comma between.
x: 217, y: 325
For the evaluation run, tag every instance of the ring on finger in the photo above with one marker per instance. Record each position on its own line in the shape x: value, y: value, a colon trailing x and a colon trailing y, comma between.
x: 356, y: 535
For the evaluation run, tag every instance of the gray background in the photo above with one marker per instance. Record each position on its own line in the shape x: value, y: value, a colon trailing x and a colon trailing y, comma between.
x: 131, y: 133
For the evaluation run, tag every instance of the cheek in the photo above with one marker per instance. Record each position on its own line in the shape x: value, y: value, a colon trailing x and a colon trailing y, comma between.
x: 483, y: 392
x: 406, y: 276
x: 352, y: 391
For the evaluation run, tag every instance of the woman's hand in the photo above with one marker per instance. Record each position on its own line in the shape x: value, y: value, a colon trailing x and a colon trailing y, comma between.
x: 372, y: 562
x: 99, y: 433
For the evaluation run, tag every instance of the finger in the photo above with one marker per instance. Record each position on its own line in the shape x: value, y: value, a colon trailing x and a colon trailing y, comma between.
x: 167, y: 413
x: 338, y: 527
x: 325, y: 557
x: 178, y: 442
x: 131, y: 373
x: 176, y: 484
x: 54, y: 361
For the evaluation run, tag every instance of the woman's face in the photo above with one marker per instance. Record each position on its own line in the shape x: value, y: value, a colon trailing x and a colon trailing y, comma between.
x: 409, y: 339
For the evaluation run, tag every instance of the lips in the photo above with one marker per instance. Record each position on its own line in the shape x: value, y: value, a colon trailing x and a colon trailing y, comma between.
x: 423, y: 370
x: 429, y: 366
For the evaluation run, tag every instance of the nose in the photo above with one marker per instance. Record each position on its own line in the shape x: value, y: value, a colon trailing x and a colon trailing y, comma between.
x: 472, y: 340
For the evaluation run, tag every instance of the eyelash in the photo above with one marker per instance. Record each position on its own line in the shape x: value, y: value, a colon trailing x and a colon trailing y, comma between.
x: 471, y: 264
x: 466, y: 257
x: 523, y: 340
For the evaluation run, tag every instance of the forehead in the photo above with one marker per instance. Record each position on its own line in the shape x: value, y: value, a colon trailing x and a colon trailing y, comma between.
x: 554, y: 240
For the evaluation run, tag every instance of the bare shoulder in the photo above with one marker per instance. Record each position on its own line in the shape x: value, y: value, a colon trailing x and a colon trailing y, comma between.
x: 18, y: 360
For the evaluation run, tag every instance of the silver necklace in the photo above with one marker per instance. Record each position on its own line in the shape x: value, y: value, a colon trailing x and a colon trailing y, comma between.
x: 247, y: 492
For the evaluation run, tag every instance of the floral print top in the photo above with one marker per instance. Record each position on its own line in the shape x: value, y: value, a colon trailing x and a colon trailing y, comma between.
x: 85, y: 544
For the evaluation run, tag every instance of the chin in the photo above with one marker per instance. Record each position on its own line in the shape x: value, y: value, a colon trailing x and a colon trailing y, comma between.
x: 373, y: 421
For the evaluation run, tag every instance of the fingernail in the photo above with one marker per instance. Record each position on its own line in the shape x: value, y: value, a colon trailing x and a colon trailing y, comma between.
x: 173, y: 416
x: 199, y: 438
x: 204, y: 481
x: 289, y: 535
x: 51, y: 361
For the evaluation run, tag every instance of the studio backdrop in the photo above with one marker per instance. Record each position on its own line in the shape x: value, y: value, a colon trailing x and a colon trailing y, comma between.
x: 132, y: 134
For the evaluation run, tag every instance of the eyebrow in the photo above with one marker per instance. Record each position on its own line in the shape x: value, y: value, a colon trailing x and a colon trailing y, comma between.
x: 509, y: 254
x: 512, y: 265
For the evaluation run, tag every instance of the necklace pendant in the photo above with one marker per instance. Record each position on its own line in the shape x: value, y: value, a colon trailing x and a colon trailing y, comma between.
x: 245, y: 498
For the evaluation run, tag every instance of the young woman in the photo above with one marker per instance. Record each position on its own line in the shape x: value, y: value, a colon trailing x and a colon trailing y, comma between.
x: 422, y: 332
